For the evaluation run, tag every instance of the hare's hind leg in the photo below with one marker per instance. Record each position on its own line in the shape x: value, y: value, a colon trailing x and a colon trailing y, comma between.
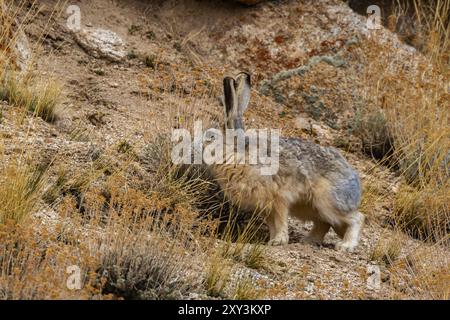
x: 304, y: 211
x: 277, y: 221
x: 318, y: 232
x: 350, y: 231
x: 347, y: 225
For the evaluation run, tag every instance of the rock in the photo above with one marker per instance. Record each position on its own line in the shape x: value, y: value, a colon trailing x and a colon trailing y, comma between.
x: 101, y: 43
x: 22, y: 49
x: 309, y: 68
x: 336, y: 61
x: 21, y: 52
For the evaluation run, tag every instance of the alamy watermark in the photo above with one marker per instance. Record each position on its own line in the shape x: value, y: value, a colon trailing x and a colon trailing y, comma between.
x: 374, y: 277
x: 259, y: 147
x: 74, y: 279
x: 374, y: 17
x: 73, y: 22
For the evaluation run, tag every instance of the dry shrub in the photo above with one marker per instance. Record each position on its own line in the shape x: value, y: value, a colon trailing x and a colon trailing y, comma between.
x: 142, y: 234
x: 387, y: 250
x: 131, y: 239
x: 372, y: 127
x: 424, y: 213
x: 423, y: 273
x: 34, y: 255
x: 146, y: 247
x: 127, y: 244
x: 34, y: 261
x: 151, y: 234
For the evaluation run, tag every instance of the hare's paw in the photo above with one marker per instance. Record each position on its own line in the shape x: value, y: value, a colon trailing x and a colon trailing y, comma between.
x: 345, y: 246
x: 279, y: 240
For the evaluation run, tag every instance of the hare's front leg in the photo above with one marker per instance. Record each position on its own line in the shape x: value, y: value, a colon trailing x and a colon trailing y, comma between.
x: 278, y: 226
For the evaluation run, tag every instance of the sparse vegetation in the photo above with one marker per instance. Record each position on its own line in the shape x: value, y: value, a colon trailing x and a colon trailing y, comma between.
x: 134, y: 29
x: 149, y: 61
x: 407, y: 125
x: 132, y: 55
x: 217, y: 277
x: 416, y: 126
x: 387, y: 250
x: 124, y: 147
x: 38, y: 97
x: 111, y: 202
x: 245, y: 290
x: 20, y: 189
x: 23, y: 89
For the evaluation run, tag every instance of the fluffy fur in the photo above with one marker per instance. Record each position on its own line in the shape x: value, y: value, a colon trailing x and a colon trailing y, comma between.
x: 313, y: 183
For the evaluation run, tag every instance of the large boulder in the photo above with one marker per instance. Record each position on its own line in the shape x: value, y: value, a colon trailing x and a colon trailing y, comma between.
x: 312, y: 57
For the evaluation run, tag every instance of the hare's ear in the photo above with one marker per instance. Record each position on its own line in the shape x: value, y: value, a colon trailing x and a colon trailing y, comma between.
x: 230, y: 99
x: 243, y: 87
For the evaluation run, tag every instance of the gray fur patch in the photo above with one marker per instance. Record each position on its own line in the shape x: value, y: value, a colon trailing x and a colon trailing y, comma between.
x: 347, y: 193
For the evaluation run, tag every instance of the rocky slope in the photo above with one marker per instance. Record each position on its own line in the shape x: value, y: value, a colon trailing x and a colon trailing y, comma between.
x: 309, y: 60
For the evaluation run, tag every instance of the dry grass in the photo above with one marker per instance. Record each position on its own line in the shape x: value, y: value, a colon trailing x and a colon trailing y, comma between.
x: 424, y: 212
x: 241, y: 238
x: 387, y: 250
x: 133, y: 236
x: 245, y: 290
x: 20, y: 189
x: 414, y: 103
x: 146, y: 253
x: 422, y: 274
x: 239, y: 243
x: 217, y: 276
x: 372, y: 127
x: 40, y: 97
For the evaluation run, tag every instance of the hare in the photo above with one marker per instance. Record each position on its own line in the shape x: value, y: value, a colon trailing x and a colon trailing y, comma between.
x: 313, y: 183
